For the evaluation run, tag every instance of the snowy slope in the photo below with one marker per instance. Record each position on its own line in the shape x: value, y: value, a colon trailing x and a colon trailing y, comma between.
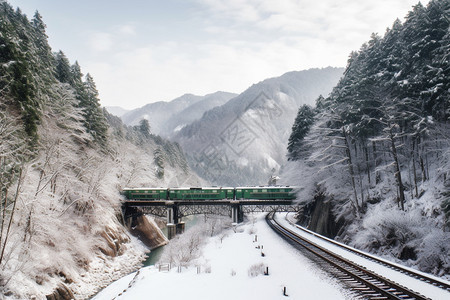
x: 244, y: 141
x: 194, y: 112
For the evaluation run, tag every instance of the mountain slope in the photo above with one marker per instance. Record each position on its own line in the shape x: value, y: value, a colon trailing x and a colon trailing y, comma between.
x: 165, y: 117
x: 244, y: 140
x: 195, y: 112
x: 157, y: 113
x: 116, y: 110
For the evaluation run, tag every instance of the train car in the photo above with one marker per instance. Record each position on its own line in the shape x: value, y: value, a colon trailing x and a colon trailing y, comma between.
x: 211, y: 193
x: 266, y: 193
x: 145, y: 193
x: 206, y: 193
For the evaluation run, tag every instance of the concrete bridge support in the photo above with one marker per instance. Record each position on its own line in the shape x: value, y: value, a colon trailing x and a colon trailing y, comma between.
x: 174, y: 224
x: 237, y: 215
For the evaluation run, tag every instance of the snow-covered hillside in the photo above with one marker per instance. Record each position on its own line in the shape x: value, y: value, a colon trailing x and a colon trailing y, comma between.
x: 194, y: 112
x: 66, y: 232
x: 244, y: 141
x: 373, y: 167
x: 63, y: 163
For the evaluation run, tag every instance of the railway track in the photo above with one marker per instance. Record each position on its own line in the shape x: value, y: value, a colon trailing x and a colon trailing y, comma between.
x: 406, y: 271
x: 364, y: 283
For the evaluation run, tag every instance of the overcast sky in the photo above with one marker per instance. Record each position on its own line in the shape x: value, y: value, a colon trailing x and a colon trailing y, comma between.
x: 142, y: 51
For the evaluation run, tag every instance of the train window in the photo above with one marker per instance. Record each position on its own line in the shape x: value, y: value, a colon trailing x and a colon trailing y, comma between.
x: 239, y: 191
x: 214, y: 191
x: 264, y: 191
x: 255, y: 191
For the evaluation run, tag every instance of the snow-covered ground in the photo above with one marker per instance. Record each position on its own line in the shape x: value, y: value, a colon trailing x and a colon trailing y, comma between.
x: 225, y: 266
x: 224, y: 272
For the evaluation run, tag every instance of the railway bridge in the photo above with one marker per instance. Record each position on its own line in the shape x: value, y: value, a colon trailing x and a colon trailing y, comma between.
x: 174, y: 204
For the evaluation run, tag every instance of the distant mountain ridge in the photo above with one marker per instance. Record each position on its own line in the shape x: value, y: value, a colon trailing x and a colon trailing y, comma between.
x: 165, y: 117
x: 116, y: 110
x: 232, y: 139
x: 244, y: 141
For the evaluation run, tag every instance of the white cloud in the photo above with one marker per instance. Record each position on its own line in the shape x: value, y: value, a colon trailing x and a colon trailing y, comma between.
x: 164, y: 72
x: 100, y: 41
x: 246, y: 41
x: 127, y: 29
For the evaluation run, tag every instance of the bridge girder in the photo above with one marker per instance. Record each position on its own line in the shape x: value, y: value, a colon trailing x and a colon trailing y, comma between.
x: 221, y: 210
x: 188, y: 210
x: 159, y: 211
x: 174, y: 210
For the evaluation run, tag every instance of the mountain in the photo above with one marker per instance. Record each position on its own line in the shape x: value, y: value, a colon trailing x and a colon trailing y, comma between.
x: 165, y: 117
x: 194, y: 112
x: 158, y: 112
x: 244, y: 141
x: 116, y: 110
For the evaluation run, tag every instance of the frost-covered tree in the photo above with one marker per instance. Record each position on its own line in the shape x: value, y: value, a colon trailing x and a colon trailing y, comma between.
x: 95, y: 122
x: 12, y: 158
x: 144, y: 128
x: 63, y: 72
x: 59, y: 184
x: 302, y: 124
x: 381, y: 138
x: 159, y: 159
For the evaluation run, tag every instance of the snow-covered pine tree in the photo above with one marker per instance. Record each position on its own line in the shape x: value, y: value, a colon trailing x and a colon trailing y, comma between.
x: 302, y: 124
x: 95, y: 122
x: 63, y: 72
x: 389, y: 114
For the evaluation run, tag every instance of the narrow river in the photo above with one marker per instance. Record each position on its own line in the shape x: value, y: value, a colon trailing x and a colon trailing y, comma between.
x: 155, y: 254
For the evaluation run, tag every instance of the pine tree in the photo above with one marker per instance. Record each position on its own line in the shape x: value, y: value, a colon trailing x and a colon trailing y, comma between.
x: 15, y: 51
x: 159, y: 160
x: 144, y: 128
x: 302, y: 124
x: 95, y: 121
x: 63, y: 71
x: 45, y: 66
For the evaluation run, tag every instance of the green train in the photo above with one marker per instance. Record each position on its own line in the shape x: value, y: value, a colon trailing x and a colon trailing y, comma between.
x: 211, y: 193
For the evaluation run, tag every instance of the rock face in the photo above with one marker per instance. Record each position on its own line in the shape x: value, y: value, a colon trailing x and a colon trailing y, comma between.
x: 62, y: 292
x: 148, y: 232
x: 318, y: 217
x: 322, y: 220
x: 114, y: 241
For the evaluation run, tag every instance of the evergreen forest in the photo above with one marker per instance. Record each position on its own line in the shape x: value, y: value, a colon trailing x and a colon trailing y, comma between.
x: 376, y: 151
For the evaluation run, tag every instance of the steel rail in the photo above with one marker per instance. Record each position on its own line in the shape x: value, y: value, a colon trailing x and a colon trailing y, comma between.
x: 363, y: 281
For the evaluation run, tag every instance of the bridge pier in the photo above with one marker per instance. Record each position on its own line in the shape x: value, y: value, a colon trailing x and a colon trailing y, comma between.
x: 237, y: 215
x: 174, y: 224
